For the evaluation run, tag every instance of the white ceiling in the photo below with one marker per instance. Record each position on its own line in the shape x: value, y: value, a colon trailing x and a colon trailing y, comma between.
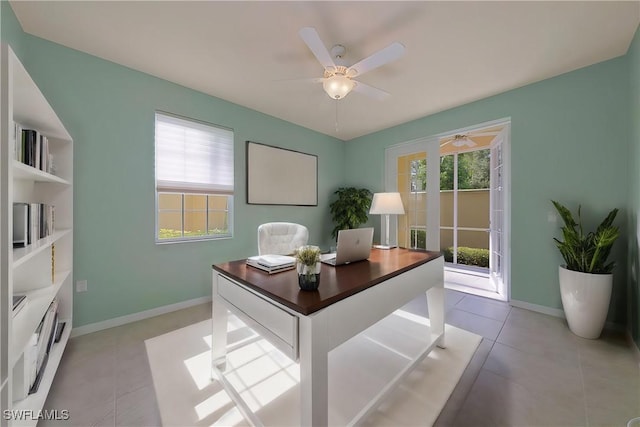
x: 246, y: 52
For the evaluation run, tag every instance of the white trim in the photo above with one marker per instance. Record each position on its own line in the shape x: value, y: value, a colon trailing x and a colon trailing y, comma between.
x: 472, y: 128
x: 474, y: 291
x: 558, y: 312
x: 431, y: 146
x: 130, y: 318
x: 506, y: 218
x: 555, y: 312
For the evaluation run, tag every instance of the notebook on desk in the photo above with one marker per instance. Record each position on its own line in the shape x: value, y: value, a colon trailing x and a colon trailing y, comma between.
x: 353, y: 245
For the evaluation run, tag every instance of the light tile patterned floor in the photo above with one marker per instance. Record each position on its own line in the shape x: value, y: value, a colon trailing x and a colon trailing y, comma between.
x: 529, y: 370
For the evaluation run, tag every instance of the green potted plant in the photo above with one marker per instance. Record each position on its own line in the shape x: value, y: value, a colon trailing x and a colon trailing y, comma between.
x: 587, y: 278
x: 308, y: 267
x: 350, y: 209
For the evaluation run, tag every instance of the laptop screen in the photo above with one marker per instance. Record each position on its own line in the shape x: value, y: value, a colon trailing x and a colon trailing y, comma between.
x: 353, y: 245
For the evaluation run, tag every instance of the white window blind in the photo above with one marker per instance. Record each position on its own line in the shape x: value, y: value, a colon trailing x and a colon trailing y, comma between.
x: 192, y: 157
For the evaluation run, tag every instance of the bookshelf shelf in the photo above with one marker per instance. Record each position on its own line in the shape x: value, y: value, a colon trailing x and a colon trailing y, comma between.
x: 22, y: 255
x: 43, y: 270
x: 26, y: 172
x: 35, y: 401
x: 27, y: 320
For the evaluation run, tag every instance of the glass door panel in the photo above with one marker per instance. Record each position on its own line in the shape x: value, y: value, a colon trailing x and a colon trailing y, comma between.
x: 412, y: 169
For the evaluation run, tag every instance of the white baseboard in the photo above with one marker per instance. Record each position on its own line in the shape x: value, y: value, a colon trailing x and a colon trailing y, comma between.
x: 129, y: 318
x: 555, y: 312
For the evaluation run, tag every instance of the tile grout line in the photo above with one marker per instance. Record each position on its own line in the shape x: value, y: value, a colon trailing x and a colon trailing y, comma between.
x: 584, y: 387
x: 455, y: 307
x: 466, y: 397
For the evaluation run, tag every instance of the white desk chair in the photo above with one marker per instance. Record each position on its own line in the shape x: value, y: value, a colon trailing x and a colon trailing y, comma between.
x: 281, y: 238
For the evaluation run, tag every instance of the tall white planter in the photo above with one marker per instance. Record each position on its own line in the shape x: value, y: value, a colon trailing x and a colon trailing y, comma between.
x: 585, y: 298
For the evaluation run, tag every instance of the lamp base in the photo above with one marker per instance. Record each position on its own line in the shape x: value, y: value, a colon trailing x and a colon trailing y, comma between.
x: 384, y: 246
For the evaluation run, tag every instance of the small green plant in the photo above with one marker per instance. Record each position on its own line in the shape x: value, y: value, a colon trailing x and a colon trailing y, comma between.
x: 350, y: 209
x: 468, y: 256
x: 586, y: 253
x: 308, y: 255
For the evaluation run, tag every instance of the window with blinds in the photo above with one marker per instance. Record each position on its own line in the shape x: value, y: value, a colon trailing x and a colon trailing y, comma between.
x: 194, y: 180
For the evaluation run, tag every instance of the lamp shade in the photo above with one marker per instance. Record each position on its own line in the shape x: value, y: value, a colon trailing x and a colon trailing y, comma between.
x: 386, y: 203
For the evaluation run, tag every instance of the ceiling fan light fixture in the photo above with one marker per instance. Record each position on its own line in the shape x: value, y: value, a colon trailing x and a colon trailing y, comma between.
x: 338, y: 86
x: 462, y: 140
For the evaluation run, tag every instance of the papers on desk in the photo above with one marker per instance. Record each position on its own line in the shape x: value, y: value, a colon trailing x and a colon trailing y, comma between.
x: 272, y: 263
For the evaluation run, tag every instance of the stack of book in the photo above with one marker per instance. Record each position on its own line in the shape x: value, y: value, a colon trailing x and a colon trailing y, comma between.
x: 272, y: 263
x: 19, y: 301
x: 31, y: 221
x: 32, y: 148
x: 37, y: 351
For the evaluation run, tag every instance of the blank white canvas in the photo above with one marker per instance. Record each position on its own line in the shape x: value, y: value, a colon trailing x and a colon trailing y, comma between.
x: 277, y: 176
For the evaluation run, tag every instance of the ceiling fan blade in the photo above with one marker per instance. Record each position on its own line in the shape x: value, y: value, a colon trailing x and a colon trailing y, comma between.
x: 390, y: 53
x: 310, y: 36
x: 371, y: 91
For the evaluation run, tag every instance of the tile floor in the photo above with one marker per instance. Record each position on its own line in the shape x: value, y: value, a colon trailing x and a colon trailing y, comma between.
x: 528, y: 371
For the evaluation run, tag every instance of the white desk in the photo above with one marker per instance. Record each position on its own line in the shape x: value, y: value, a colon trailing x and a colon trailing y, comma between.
x: 308, y: 325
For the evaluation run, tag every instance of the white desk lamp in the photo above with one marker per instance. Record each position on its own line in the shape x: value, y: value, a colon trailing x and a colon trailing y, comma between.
x: 386, y: 204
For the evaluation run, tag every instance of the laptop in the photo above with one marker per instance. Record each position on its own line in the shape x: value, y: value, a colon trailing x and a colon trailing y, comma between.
x: 353, y: 245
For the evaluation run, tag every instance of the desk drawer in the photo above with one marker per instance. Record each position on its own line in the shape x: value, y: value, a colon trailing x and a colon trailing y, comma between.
x: 274, y: 323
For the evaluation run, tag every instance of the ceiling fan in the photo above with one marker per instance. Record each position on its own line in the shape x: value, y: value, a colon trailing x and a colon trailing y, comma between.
x: 338, y: 79
x: 463, y: 141
x: 466, y: 140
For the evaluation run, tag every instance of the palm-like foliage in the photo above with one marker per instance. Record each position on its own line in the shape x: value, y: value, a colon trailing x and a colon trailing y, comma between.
x: 350, y: 209
x: 586, y: 253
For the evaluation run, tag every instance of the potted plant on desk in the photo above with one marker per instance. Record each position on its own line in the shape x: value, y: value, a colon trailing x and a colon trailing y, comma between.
x: 308, y: 267
x: 587, y: 279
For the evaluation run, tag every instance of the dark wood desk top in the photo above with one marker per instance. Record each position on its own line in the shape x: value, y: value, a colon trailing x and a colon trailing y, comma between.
x: 336, y: 283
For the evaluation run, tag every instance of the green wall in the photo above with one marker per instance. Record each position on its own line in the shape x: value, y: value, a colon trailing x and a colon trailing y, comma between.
x: 633, y: 57
x: 568, y: 142
x: 571, y: 137
x: 109, y: 111
x: 10, y: 29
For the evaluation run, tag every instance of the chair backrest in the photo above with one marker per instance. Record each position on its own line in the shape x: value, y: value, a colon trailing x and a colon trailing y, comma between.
x: 281, y: 238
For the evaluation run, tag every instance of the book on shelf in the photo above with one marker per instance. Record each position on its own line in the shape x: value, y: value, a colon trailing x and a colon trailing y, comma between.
x: 32, y: 221
x: 53, y: 262
x: 16, y: 139
x: 19, y: 301
x: 20, y: 225
x: 41, y: 344
x: 31, y: 148
x: 59, y: 330
x: 272, y: 263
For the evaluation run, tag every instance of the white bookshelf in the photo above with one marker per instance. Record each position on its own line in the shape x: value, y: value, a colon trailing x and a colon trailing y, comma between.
x: 43, y: 270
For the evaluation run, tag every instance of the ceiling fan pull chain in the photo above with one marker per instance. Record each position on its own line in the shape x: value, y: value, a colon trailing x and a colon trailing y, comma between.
x: 336, y: 103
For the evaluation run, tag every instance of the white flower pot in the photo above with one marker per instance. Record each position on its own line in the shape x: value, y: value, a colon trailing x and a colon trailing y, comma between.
x: 585, y: 298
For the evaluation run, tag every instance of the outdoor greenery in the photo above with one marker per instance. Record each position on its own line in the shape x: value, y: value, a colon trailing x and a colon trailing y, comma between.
x: 350, y: 209
x: 473, y: 171
x: 418, y: 239
x: 586, y: 253
x: 168, y: 233
x: 469, y: 256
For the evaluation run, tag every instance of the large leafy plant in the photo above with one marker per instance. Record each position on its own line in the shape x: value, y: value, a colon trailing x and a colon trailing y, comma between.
x: 586, y: 253
x: 350, y: 209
